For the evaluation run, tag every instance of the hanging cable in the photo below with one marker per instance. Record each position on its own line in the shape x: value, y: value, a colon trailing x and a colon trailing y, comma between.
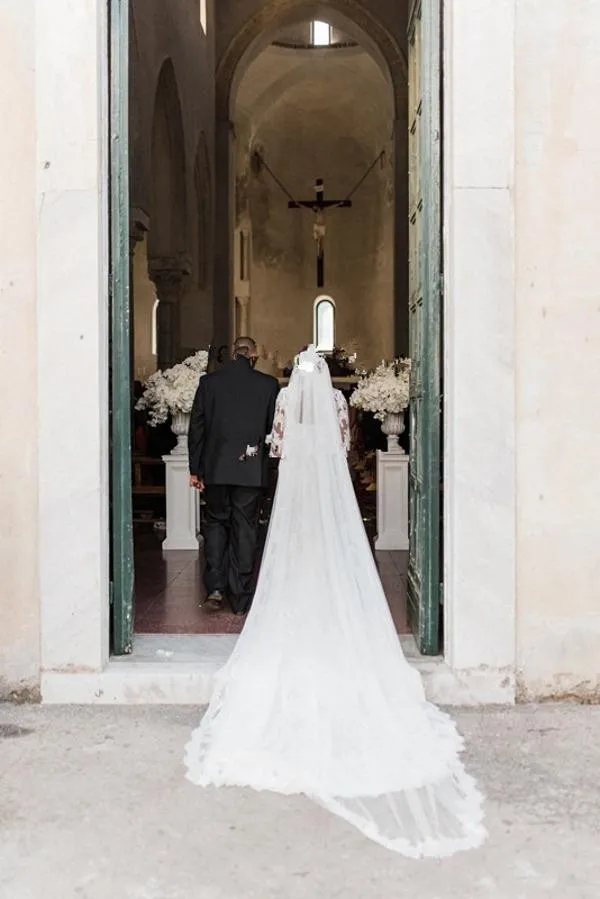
x: 366, y: 175
x: 290, y: 197
x: 279, y: 183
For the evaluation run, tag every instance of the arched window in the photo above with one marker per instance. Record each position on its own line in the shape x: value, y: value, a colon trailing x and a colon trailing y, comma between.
x: 324, y: 324
x: 155, y: 327
x: 320, y: 34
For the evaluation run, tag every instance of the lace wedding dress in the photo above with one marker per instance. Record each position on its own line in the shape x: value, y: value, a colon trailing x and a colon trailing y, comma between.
x: 317, y: 697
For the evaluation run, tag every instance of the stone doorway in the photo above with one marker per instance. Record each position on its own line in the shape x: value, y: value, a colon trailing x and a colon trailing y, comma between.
x: 479, y: 326
x: 171, y: 267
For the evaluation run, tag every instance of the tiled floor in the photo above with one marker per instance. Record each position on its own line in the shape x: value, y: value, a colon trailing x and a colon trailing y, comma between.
x: 169, y: 591
x: 169, y: 588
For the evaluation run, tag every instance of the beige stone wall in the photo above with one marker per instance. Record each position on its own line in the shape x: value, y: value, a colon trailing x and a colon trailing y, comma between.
x: 52, y: 202
x: 558, y: 347
x: 314, y: 115
x: 19, y: 593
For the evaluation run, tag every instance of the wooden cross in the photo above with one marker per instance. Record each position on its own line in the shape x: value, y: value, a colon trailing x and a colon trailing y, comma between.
x: 318, y: 206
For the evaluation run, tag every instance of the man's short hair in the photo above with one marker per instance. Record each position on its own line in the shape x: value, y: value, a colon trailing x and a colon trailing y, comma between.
x: 245, y: 346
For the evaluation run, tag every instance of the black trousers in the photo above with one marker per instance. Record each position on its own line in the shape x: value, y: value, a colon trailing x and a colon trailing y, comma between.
x: 230, y: 540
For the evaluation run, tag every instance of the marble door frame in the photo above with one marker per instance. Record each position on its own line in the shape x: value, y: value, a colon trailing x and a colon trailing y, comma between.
x: 479, y: 337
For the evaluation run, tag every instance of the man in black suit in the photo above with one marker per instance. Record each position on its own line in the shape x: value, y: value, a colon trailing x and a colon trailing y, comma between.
x: 232, y: 415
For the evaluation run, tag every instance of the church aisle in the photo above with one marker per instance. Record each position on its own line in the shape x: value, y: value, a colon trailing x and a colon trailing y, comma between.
x: 169, y: 592
x: 169, y: 589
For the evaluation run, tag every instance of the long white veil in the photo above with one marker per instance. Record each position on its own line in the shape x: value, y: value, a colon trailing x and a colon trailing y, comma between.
x: 311, y: 419
x: 317, y: 697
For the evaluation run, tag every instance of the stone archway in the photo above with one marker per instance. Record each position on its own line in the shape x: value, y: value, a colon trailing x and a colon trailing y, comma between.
x: 356, y: 19
x: 168, y: 258
x: 168, y: 200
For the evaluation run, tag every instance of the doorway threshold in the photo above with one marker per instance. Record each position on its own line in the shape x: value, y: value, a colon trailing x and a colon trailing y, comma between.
x: 179, y: 669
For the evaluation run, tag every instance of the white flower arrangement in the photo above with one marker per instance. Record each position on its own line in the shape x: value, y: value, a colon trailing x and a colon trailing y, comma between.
x: 385, y: 390
x: 171, y: 391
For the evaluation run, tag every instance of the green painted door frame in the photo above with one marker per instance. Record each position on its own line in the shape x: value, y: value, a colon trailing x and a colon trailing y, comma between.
x: 122, y: 571
x: 425, y: 312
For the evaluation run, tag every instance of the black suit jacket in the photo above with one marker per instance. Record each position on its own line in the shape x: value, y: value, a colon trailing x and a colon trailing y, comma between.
x: 233, y: 410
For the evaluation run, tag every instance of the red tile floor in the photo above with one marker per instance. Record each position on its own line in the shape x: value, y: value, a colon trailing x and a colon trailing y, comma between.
x: 169, y: 589
x: 169, y: 592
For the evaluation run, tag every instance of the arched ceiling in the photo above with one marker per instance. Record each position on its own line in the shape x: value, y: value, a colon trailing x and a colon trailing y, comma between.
x: 350, y: 17
x: 346, y: 87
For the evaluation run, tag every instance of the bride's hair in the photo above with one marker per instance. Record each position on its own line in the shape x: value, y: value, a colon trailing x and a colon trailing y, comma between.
x: 310, y: 354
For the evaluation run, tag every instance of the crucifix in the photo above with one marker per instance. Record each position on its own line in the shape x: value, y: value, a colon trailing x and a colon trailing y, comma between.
x: 318, y: 206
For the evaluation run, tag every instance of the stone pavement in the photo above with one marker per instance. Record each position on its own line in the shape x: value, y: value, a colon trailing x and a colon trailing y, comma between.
x: 93, y: 804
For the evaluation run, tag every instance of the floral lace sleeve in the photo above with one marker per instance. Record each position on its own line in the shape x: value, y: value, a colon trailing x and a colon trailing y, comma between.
x: 276, y: 437
x: 342, y: 411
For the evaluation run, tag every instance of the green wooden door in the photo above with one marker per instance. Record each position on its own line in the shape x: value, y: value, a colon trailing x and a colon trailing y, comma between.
x: 122, y: 574
x: 425, y: 302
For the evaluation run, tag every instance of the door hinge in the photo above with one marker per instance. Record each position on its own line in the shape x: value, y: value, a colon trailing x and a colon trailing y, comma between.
x: 441, y: 593
x: 111, y: 592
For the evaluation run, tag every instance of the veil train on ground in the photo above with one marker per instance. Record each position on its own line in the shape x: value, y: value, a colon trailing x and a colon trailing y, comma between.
x: 317, y: 697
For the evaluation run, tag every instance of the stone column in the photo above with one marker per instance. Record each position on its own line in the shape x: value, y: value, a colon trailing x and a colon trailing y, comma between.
x: 223, y: 249
x: 392, y: 500
x: 168, y: 276
x: 71, y: 514
x: 139, y: 224
x: 243, y: 325
x: 183, y: 506
x: 401, y: 235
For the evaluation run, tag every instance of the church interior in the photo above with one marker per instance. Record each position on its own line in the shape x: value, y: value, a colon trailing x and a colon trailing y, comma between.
x: 269, y: 197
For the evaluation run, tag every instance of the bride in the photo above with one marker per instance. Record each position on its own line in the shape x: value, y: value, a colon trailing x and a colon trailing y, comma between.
x: 317, y: 697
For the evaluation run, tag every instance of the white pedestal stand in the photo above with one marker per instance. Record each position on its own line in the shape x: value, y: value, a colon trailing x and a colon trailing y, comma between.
x: 392, y: 499
x: 183, y: 505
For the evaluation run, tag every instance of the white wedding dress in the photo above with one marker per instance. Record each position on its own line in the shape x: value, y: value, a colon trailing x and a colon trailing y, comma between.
x: 317, y: 697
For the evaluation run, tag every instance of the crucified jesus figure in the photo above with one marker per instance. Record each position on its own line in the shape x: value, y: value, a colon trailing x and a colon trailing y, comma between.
x: 319, y: 236
x: 318, y: 206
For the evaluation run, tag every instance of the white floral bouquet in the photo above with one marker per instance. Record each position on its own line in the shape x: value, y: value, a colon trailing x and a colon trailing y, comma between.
x: 385, y: 390
x: 171, y: 391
